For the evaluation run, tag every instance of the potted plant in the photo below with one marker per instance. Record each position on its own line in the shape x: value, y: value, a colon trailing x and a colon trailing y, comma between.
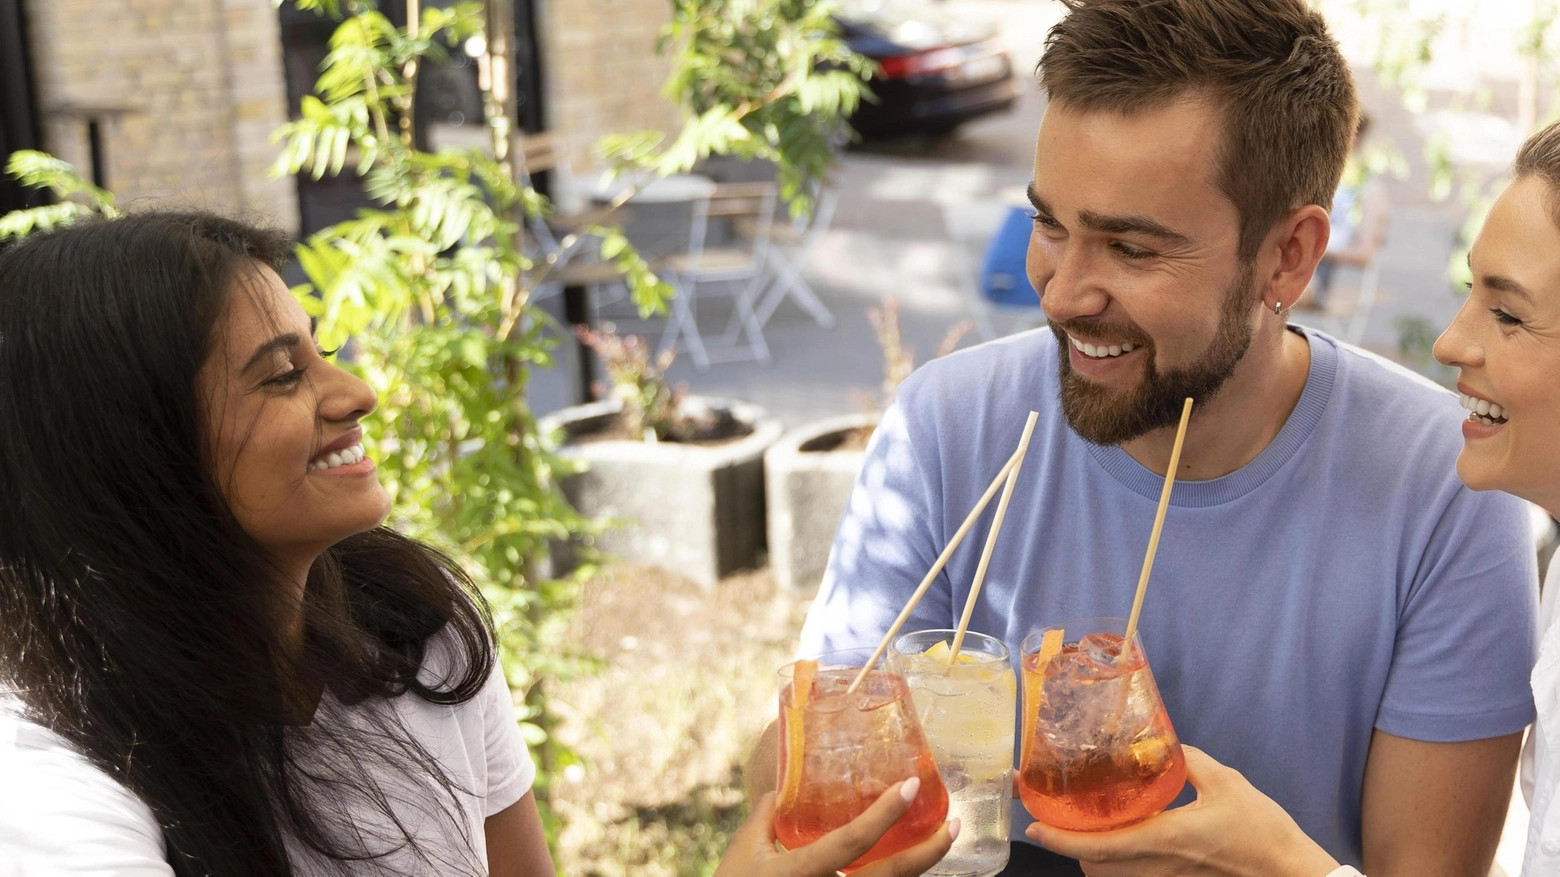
x: 680, y: 479
x: 809, y: 472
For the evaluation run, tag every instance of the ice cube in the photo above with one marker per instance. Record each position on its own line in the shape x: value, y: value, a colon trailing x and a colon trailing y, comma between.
x: 1101, y: 650
x: 955, y: 778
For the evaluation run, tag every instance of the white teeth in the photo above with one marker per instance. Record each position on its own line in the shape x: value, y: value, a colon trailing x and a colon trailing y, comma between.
x: 1101, y: 350
x: 1482, y: 410
x: 344, y: 457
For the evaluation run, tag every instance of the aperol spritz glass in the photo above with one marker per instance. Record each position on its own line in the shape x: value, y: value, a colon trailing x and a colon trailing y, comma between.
x: 840, y: 750
x: 1097, y: 748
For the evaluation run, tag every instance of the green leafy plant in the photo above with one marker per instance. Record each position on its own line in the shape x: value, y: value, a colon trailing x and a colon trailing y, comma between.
x: 762, y: 79
x: 77, y: 197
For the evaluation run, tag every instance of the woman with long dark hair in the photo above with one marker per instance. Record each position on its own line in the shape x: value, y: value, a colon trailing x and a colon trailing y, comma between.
x: 214, y: 660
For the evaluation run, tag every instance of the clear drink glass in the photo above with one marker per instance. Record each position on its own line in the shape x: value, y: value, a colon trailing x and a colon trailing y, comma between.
x: 967, y: 713
x: 1097, y: 748
x: 840, y: 751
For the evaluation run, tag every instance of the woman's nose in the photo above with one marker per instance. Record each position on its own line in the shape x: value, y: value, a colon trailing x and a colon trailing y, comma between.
x: 1458, y: 346
x: 347, y: 396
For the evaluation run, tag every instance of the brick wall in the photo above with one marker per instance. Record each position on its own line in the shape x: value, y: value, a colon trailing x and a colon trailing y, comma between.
x: 602, y: 73
x: 203, y: 82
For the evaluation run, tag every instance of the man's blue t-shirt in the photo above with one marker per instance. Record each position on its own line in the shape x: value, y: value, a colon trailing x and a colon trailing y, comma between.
x: 1342, y: 581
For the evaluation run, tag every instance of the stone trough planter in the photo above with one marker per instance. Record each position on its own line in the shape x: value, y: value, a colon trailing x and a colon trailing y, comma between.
x: 809, y: 478
x: 697, y: 510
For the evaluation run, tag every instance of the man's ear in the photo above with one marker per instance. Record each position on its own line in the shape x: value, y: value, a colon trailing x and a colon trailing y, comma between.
x: 1299, y: 240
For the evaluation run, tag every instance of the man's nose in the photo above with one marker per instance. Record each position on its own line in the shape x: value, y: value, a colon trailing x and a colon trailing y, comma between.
x: 1060, y: 271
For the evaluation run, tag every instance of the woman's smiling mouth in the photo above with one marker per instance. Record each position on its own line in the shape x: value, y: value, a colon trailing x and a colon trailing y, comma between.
x: 1483, y: 410
x: 349, y: 456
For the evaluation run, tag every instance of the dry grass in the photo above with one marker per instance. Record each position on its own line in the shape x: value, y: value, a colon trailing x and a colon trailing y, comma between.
x: 688, y: 683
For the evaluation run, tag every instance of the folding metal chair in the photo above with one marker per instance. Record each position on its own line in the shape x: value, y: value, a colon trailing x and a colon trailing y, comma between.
x: 789, y: 246
x: 735, y: 260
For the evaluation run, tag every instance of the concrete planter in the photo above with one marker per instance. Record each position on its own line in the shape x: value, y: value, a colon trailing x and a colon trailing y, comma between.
x: 695, y: 510
x: 808, y: 483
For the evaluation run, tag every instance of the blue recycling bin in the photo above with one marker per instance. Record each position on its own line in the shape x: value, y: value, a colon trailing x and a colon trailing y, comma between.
x: 1003, y: 278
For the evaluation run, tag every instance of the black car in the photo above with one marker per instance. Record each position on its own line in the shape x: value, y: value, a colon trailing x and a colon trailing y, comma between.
x: 936, y: 72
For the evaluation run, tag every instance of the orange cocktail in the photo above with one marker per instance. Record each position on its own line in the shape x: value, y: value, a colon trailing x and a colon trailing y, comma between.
x: 1098, y: 751
x: 840, y: 751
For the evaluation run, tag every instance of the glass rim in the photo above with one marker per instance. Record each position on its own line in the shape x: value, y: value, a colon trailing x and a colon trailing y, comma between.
x: 883, y: 671
x: 862, y: 653
x: 1004, y: 654
x: 1089, y: 624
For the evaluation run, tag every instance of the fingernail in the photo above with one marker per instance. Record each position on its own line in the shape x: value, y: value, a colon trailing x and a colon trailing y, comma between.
x: 909, y: 789
x: 953, y: 828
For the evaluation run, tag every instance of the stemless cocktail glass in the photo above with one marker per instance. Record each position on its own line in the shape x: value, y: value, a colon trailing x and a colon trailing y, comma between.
x: 967, y: 713
x: 840, y: 751
x: 1097, y: 748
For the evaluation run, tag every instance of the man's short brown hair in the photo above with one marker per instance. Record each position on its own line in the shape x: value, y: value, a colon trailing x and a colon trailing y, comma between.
x: 1269, y: 66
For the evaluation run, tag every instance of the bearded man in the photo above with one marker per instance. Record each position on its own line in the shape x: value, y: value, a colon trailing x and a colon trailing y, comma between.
x: 1331, y: 612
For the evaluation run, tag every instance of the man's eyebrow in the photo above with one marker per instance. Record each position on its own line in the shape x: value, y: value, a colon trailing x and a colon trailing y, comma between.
x: 1036, y: 200
x: 1116, y: 224
x: 1133, y: 225
x: 280, y: 342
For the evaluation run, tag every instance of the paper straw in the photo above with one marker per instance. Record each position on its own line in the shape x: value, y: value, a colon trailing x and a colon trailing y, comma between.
x: 942, y: 560
x: 991, y: 540
x: 1153, y: 537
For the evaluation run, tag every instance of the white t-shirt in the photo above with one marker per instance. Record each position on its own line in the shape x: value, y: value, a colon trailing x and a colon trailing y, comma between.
x: 1540, y: 764
x: 60, y: 815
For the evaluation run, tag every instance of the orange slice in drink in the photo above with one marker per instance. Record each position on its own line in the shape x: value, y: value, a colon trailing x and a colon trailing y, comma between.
x: 802, y: 676
x: 1034, y: 682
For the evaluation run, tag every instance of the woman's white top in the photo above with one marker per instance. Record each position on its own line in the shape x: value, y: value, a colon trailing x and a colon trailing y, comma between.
x: 60, y: 815
x: 1540, y: 767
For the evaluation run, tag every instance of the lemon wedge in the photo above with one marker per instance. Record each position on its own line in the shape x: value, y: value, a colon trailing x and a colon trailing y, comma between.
x: 939, y: 653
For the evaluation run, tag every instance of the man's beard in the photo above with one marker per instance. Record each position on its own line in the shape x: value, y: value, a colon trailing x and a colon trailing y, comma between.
x: 1104, y: 416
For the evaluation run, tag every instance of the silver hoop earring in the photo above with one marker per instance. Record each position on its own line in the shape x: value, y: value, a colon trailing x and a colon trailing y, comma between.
x: 1279, y: 310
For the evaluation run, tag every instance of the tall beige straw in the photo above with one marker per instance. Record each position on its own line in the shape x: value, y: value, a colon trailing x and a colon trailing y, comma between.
x: 991, y: 541
x: 1159, y: 523
x: 942, y: 559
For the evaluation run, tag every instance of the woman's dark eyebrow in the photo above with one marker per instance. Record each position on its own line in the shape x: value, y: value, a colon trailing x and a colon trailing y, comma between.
x: 1506, y: 284
x: 280, y: 342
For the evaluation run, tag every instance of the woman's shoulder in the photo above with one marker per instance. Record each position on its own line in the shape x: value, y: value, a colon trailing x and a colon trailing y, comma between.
x: 60, y: 814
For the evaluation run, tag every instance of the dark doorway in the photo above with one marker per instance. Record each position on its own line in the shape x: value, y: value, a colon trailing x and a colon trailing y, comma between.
x: 18, y: 103
x: 528, y: 67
